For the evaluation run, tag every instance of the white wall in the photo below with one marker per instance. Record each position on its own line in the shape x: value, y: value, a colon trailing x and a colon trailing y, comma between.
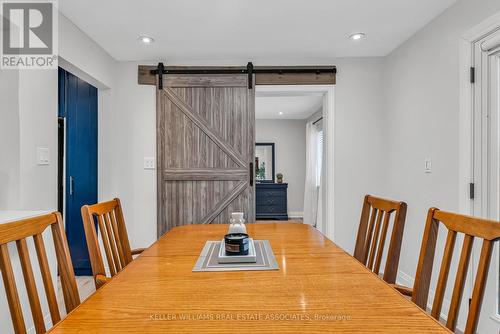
x: 85, y: 58
x: 421, y: 120
x: 357, y: 144
x: 28, y: 119
x: 38, y: 128
x: 129, y: 135
x: 9, y: 143
x: 289, y: 137
x: 358, y: 132
x: 33, y: 97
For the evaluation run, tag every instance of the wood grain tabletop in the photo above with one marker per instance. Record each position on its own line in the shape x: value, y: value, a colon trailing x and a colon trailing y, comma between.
x: 318, y: 288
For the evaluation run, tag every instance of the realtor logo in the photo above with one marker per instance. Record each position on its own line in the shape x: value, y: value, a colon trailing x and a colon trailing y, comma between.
x: 29, y: 34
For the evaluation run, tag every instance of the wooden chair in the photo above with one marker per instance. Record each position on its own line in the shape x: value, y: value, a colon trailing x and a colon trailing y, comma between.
x: 472, y: 227
x: 19, y: 231
x: 372, y: 234
x: 107, y: 217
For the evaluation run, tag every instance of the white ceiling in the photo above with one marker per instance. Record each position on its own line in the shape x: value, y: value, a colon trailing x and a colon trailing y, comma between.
x: 250, y: 30
x: 293, y: 105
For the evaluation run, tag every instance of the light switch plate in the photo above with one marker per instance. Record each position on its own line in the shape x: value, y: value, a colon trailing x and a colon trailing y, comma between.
x: 149, y: 163
x: 428, y: 165
x: 42, y: 156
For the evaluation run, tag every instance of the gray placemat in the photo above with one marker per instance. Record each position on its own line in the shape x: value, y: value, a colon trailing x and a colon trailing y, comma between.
x: 208, y: 258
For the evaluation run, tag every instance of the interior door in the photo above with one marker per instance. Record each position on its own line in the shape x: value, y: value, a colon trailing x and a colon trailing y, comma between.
x: 78, y: 106
x: 205, y: 149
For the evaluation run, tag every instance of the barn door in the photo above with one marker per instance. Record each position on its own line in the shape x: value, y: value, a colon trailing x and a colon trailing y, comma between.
x: 205, y: 149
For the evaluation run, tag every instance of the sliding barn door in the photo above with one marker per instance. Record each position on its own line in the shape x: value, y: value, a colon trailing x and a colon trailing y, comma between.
x: 205, y: 149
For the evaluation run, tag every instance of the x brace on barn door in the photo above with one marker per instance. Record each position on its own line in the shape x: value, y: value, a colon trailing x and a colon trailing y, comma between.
x: 250, y: 70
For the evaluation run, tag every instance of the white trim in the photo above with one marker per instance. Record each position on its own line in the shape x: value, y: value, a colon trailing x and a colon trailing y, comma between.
x: 466, y: 140
x: 465, y: 152
x: 296, y: 214
x: 496, y: 317
x: 48, y: 324
x: 329, y: 128
x: 466, y: 128
x: 328, y: 225
x: 406, y: 280
x: 482, y: 29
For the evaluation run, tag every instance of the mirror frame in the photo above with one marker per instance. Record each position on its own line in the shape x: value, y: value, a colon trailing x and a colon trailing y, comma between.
x: 274, y: 163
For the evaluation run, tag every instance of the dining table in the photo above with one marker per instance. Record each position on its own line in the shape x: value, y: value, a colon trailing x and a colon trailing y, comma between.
x: 318, y: 288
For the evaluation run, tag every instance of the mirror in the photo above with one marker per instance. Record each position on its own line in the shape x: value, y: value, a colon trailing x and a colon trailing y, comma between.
x: 264, y: 162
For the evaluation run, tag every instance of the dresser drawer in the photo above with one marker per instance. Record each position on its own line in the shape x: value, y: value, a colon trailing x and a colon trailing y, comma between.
x: 271, y: 209
x: 272, y: 193
x: 270, y: 200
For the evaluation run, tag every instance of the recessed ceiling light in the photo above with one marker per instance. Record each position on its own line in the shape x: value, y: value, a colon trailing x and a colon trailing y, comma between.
x: 146, y: 40
x: 280, y: 113
x: 357, y: 36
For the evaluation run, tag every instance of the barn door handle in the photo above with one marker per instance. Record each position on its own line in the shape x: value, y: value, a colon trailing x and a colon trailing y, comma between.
x: 71, y: 185
x: 251, y: 174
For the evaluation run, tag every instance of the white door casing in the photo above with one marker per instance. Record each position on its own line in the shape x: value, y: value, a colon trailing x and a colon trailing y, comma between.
x: 479, y: 147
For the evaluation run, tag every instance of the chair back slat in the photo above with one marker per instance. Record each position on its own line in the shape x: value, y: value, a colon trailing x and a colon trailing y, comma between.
x: 11, y: 291
x: 374, y: 240
x: 383, y: 236
x: 458, y: 288
x: 118, y: 238
x: 17, y: 232
x: 113, y: 242
x: 372, y: 235
x: 106, y: 245
x: 443, y: 274
x: 106, y: 219
x: 29, y: 281
x: 122, y: 231
x: 48, y: 284
x: 368, y: 238
x: 65, y: 266
x: 425, y: 261
x: 479, y: 286
x: 473, y: 228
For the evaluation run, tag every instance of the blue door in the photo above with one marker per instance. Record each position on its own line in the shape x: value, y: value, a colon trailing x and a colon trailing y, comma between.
x: 78, y: 107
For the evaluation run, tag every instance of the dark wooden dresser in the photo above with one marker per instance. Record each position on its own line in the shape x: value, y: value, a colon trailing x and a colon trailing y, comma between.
x: 271, y: 201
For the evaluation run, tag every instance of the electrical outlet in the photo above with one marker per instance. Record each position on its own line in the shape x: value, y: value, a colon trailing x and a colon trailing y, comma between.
x: 42, y: 156
x: 149, y: 163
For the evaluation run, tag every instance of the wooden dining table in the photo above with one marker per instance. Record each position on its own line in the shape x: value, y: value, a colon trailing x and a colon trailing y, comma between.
x: 318, y: 288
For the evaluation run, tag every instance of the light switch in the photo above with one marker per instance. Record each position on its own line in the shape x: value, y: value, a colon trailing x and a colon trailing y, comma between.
x: 428, y: 165
x: 42, y: 156
x: 149, y: 163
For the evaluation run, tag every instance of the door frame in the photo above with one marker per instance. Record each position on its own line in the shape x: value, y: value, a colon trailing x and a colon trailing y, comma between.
x: 473, y: 160
x: 327, y: 226
x: 64, y: 153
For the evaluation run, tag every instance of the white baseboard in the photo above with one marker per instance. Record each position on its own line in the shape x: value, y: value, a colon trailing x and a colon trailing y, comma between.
x: 296, y: 214
x: 48, y: 324
x: 406, y: 280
